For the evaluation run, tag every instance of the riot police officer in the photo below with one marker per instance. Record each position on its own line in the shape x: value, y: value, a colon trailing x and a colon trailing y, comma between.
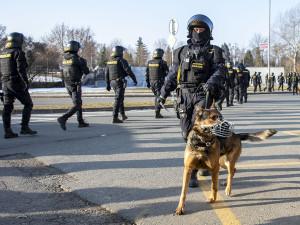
x: 198, y: 69
x: 254, y: 81
x: 259, y: 81
x: 246, y: 76
x: 295, y: 81
x: 231, y: 75
x: 156, y: 72
x: 15, y: 84
x: 116, y: 71
x: 272, y: 81
x: 280, y: 81
x: 241, y: 82
x: 74, y: 67
x: 289, y: 81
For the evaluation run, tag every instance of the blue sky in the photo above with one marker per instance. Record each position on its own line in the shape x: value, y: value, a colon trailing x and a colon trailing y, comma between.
x: 235, y: 21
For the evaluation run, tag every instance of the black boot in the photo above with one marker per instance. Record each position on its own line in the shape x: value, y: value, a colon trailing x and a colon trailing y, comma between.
x: 83, y: 124
x: 62, y: 121
x: 158, y: 115
x: 9, y: 133
x: 194, y: 181
x: 204, y: 173
x: 116, y: 120
x: 27, y: 130
x: 124, y: 117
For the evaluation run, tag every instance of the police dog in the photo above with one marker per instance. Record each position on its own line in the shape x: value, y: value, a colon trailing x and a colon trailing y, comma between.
x: 205, y: 149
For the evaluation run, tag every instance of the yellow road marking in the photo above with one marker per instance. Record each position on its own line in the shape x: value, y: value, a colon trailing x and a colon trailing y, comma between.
x: 222, y: 210
x: 292, y: 132
x: 268, y: 164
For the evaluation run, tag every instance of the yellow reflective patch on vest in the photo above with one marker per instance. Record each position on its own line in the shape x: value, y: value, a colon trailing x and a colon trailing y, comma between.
x: 156, y: 65
x: 67, y: 62
x: 230, y: 71
x: 211, y: 51
x: 197, y: 65
x: 240, y: 75
x: 5, y: 56
x: 112, y: 62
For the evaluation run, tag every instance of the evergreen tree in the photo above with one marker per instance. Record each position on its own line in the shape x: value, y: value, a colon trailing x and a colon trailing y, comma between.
x: 258, y: 59
x: 141, y: 54
x: 226, y: 51
x: 103, y: 56
x: 248, y: 59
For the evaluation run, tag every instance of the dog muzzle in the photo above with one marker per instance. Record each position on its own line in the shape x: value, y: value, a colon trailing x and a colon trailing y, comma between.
x: 221, y: 128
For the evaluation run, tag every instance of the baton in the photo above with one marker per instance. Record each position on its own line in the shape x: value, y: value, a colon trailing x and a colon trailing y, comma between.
x: 163, y: 106
x: 206, y: 99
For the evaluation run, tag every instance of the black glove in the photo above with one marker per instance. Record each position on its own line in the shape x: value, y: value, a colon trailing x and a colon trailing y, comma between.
x: 161, y: 100
x: 108, y: 87
x: 208, y: 88
x: 134, y: 83
x: 148, y: 85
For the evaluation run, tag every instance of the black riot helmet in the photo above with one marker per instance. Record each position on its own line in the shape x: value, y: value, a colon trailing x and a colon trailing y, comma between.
x: 117, y: 51
x: 240, y: 66
x: 73, y: 46
x: 158, y: 53
x: 229, y: 65
x: 15, y: 40
x: 200, y: 21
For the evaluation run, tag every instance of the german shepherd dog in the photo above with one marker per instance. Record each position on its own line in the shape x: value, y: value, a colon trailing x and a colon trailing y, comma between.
x: 205, y: 149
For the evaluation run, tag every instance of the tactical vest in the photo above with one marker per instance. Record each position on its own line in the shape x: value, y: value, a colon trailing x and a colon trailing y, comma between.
x: 231, y: 74
x: 115, y: 69
x: 240, y: 76
x: 8, y: 64
x: 196, y: 66
x: 155, y: 69
x: 72, y: 69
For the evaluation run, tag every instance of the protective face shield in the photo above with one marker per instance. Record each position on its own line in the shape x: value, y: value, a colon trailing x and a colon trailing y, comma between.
x: 73, y: 46
x: 221, y: 128
x: 158, y: 53
x: 200, y: 21
x: 117, y: 51
x: 15, y: 39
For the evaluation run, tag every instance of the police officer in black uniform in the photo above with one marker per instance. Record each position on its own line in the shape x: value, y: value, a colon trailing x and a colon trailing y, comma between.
x: 295, y: 81
x: 254, y: 81
x: 247, y: 78
x: 15, y: 84
x: 289, y: 81
x: 241, y: 82
x: 231, y: 75
x: 280, y: 81
x: 272, y: 81
x: 259, y: 81
x: 156, y: 71
x: 116, y: 71
x: 74, y: 67
x: 198, y: 68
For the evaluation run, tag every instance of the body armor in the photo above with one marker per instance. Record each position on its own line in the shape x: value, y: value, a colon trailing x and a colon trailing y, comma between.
x: 155, y: 69
x: 71, y: 68
x: 195, y: 67
x: 115, y: 71
x: 8, y: 64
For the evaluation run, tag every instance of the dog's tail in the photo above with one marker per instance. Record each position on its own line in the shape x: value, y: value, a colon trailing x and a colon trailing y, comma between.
x: 258, y: 136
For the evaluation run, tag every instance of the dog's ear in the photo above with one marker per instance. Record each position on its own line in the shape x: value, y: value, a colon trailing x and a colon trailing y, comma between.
x: 213, y: 106
x: 199, y: 111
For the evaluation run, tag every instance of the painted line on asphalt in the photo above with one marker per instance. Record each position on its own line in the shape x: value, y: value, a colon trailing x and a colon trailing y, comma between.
x: 292, y: 132
x: 268, y: 164
x: 220, y: 207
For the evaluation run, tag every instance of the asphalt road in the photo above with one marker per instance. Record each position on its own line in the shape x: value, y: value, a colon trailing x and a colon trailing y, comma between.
x: 135, y: 169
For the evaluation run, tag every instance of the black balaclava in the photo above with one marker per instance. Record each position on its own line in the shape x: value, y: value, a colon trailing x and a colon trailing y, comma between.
x: 201, y: 38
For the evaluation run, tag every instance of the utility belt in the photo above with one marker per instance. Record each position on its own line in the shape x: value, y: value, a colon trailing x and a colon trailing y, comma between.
x: 186, y: 89
x: 123, y: 80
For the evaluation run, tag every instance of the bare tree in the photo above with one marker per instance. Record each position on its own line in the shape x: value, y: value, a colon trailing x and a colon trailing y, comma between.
x: 287, y: 34
x: 2, y: 36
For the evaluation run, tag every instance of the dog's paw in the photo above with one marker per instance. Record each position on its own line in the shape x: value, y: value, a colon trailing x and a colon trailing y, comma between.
x: 211, y: 200
x: 179, y: 211
x: 228, y: 191
x: 224, y: 183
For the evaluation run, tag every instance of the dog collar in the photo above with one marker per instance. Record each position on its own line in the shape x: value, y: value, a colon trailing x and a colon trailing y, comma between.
x: 199, y: 141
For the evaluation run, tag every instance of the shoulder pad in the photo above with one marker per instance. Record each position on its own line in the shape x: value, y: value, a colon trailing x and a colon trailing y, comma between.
x: 219, y: 56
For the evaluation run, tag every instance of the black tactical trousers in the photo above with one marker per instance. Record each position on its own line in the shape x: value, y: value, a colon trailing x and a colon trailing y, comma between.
x: 187, y: 104
x: 155, y: 87
x: 295, y: 88
x: 75, y: 93
x: 280, y: 86
x: 231, y: 95
x: 240, y: 92
x: 255, y: 86
x: 13, y: 89
x: 119, y: 90
x: 245, y: 93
